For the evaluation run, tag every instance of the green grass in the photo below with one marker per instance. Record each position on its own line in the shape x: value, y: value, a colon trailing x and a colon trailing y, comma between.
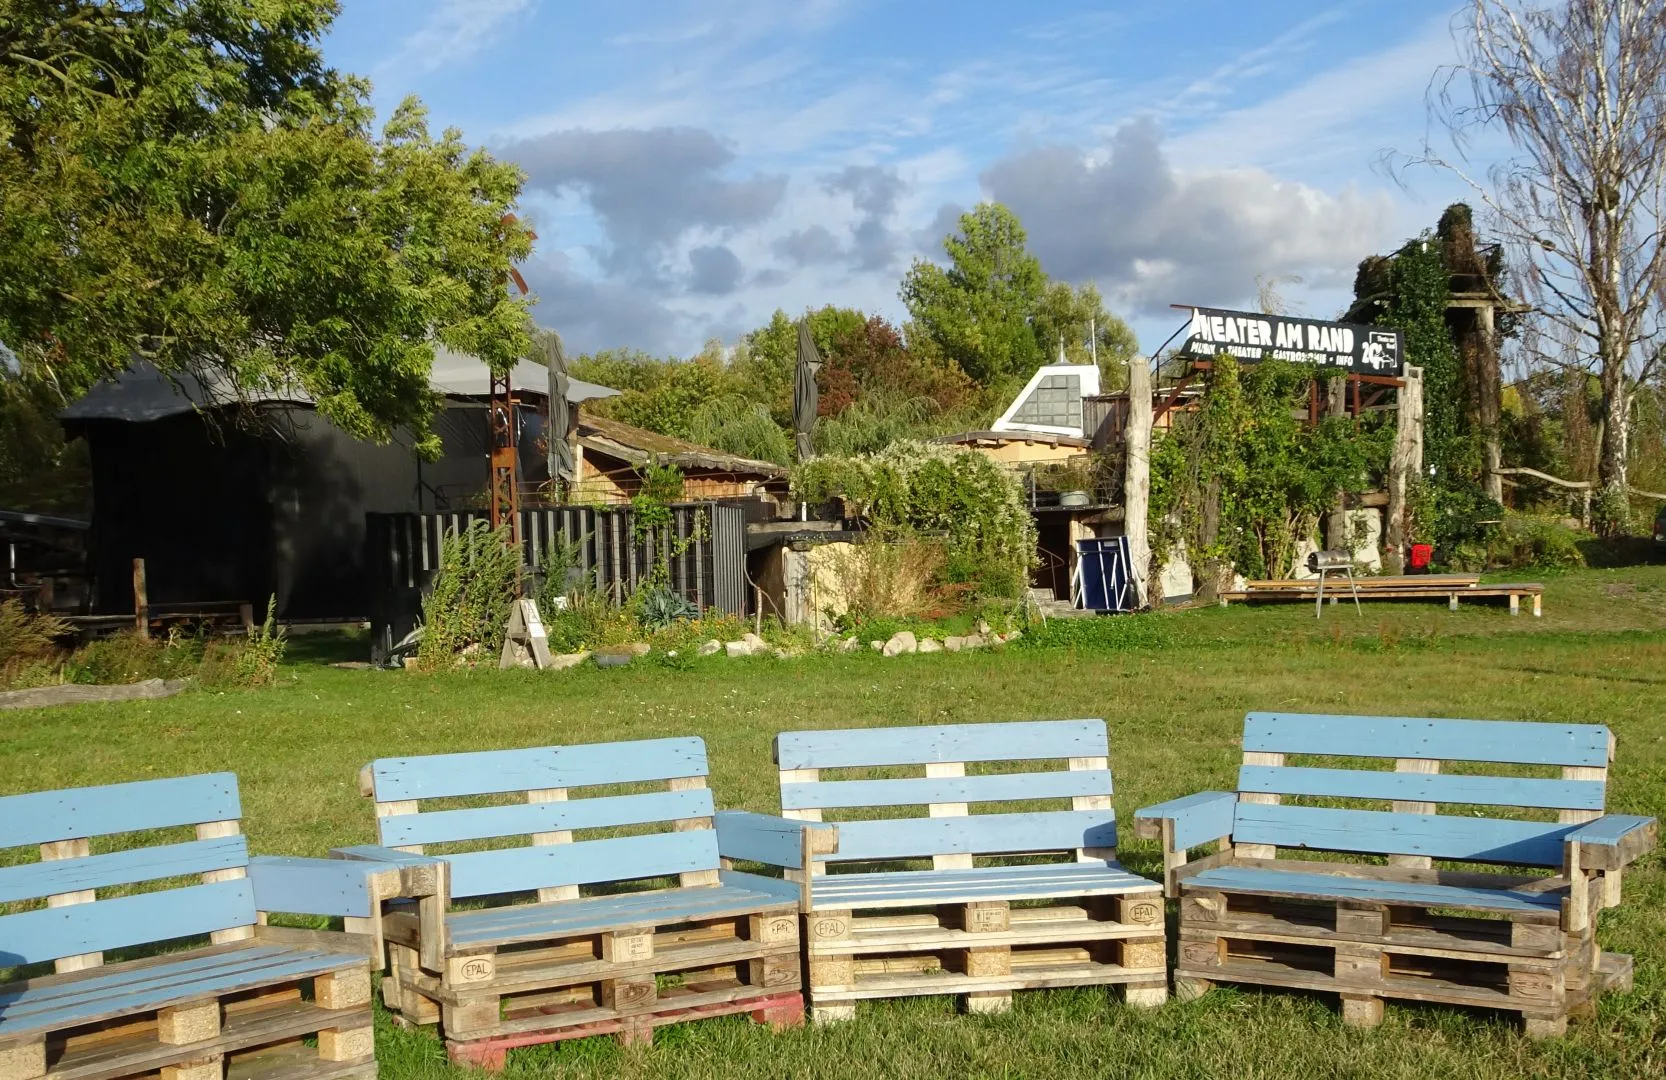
x: 1175, y: 707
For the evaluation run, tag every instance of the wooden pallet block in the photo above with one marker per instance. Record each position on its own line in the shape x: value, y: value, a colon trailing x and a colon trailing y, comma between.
x: 983, y: 951
x: 203, y: 1039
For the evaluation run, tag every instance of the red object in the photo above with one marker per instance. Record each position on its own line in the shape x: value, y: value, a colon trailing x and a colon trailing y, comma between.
x: 1420, y: 556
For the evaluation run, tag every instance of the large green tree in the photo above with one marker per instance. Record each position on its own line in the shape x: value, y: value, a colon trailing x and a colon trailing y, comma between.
x: 187, y: 182
x: 994, y: 311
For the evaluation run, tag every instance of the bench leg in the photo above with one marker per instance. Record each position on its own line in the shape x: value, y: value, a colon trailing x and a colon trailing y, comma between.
x: 821, y: 1015
x: 636, y: 1035
x: 1515, y: 603
x: 1146, y: 997
x: 780, y: 1017
x: 1539, y: 1027
x: 23, y: 1061
x: 1187, y: 988
x: 984, y: 1002
x: 1538, y: 606
x: 1362, y: 1011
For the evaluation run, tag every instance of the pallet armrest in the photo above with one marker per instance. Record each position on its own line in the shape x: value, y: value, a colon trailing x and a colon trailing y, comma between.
x: 775, y: 841
x: 420, y: 875
x: 322, y: 886
x: 1613, y: 840
x: 1197, y: 819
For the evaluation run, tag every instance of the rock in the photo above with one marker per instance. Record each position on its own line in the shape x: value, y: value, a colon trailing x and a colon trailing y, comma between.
x: 637, y: 648
x: 1013, y: 635
x: 983, y: 628
x: 756, y: 643
x: 782, y: 654
x: 974, y: 641
x: 901, y: 642
x: 738, y: 648
x: 354, y: 665
x: 877, y: 646
x: 931, y: 645
x: 568, y: 660
x: 849, y: 644
x: 954, y: 644
x: 711, y: 647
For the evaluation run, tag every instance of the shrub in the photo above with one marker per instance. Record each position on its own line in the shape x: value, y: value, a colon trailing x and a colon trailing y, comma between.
x: 127, y: 657
x: 465, y: 612
x: 1110, y: 633
x: 1523, y: 541
x: 887, y: 579
x: 658, y: 609
x: 27, y: 639
x: 255, y: 659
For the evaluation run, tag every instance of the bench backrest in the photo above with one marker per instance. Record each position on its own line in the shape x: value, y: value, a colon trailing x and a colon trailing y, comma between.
x: 1275, y: 794
x: 543, y: 855
x: 942, y: 790
x: 57, y: 907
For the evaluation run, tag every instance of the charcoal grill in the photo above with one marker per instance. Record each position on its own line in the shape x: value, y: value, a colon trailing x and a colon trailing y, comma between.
x: 1333, y: 561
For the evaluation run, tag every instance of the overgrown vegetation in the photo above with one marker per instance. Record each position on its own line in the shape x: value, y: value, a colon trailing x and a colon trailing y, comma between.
x: 465, y: 611
x: 917, y: 490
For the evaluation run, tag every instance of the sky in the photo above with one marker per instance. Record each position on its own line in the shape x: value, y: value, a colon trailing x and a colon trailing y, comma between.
x: 693, y: 165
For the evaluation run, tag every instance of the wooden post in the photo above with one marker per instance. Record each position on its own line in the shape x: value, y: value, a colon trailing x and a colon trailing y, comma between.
x: 1405, y: 464
x: 141, y: 600
x: 1136, y: 484
x: 1489, y: 406
x: 1336, y: 531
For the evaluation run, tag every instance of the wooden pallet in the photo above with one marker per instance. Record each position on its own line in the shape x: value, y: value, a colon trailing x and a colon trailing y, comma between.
x: 252, y: 1034
x: 982, y: 952
x: 623, y: 983
x: 1452, y: 589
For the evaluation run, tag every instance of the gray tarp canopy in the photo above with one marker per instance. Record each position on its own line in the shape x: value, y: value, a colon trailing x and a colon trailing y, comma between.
x: 141, y: 394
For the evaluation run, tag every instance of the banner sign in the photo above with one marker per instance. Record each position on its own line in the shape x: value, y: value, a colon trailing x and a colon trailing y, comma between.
x: 1363, y: 350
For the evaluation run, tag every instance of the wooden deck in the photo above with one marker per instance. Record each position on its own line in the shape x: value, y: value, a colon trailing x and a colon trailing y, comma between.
x: 1453, y: 588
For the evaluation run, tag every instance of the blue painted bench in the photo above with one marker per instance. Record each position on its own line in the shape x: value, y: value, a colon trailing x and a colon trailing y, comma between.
x: 549, y: 899
x: 93, y: 880
x: 1513, y: 930
x: 952, y: 801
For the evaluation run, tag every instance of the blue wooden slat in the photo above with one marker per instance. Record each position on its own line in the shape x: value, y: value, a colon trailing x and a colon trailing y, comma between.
x: 1609, y: 829
x: 622, y: 858
x: 313, y: 886
x: 762, y: 838
x: 1255, y: 879
x: 44, y: 816
x: 1021, y: 741
x: 33, y: 936
x: 911, y: 888
x: 1381, y: 832
x: 1516, y: 742
x: 122, y: 989
x: 737, y: 894
x: 1421, y: 787
x: 487, y: 822
x: 918, y: 791
x: 33, y: 880
x: 489, y: 772
x: 1198, y: 819
x: 987, y: 834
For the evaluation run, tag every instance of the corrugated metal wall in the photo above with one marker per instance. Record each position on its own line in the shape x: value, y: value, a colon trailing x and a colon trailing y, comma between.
x: 707, y: 539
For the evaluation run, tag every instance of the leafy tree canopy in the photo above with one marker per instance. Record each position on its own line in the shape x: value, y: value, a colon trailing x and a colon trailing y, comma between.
x: 185, y: 181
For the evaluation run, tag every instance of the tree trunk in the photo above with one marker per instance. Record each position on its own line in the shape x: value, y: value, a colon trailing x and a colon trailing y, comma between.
x: 1403, y: 470
x: 1615, y: 516
x: 1136, y: 485
x: 1209, y: 530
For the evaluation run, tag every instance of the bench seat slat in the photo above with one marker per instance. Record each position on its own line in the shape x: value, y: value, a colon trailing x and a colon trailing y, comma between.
x: 34, y: 880
x: 33, y: 936
x: 910, y: 888
x: 737, y: 894
x: 488, y: 822
x: 489, y: 772
x: 982, y: 834
x: 920, y: 791
x: 1447, y: 788
x: 1023, y: 741
x: 42, y: 817
x: 621, y: 858
x: 1515, y: 742
x: 1386, y: 833
x: 1269, y: 882
x: 122, y: 990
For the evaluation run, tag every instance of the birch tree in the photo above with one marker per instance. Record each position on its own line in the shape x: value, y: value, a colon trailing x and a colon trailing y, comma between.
x: 1579, y: 89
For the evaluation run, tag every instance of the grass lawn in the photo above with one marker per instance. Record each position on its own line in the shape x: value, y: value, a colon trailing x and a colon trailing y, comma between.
x: 1175, y: 712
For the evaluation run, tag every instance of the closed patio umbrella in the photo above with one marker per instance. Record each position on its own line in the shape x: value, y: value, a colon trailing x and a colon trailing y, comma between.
x: 805, y: 397
x: 559, y: 454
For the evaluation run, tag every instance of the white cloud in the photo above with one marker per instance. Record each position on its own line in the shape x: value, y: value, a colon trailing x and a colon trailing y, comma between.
x: 454, y: 31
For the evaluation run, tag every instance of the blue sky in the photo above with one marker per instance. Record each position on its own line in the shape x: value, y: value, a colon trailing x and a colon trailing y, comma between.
x: 695, y: 164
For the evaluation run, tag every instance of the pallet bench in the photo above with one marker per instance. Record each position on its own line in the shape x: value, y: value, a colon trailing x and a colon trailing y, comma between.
x: 1451, y: 588
x: 665, y: 934
x: 237, y: 1008
x: 978, y: 923
x: 1503, y: 934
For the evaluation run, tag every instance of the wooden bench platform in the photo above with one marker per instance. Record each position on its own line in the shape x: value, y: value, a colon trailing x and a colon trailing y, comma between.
x: 545, y: 962
x: 1517, y: 933
x: 238, y: 1008
x: 1453, y: 588
x: 976, y: 924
